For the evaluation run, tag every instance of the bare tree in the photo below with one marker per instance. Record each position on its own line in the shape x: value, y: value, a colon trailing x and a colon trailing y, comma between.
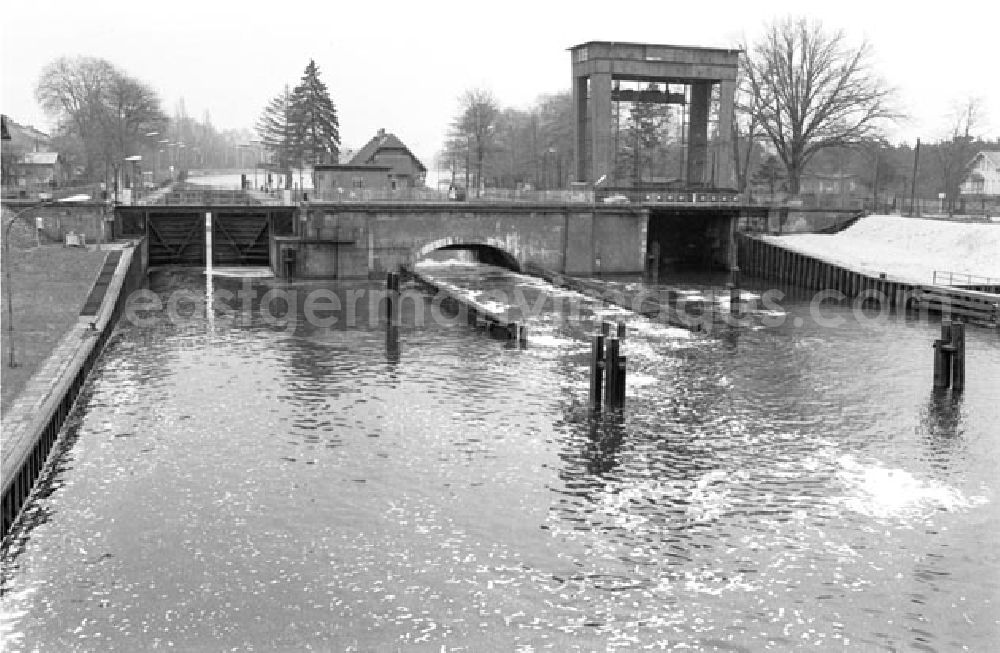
x: 745, y: 127
x: 72, y: 90
x: 131, y: 109
x: 477, y: 123
x: 102, y: 106
x: 954, y: 154
x: 809, y: 90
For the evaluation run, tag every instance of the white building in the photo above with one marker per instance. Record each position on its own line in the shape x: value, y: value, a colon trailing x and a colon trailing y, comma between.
x: 984, y: 178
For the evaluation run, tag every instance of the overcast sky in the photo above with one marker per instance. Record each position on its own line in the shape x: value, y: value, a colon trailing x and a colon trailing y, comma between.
x: 402, y: 65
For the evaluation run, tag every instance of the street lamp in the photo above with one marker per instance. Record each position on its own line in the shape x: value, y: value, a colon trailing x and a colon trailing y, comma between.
x: 135, y: 159
x: 6, y: 255
x: 151, y: 135
x: 160, y: 146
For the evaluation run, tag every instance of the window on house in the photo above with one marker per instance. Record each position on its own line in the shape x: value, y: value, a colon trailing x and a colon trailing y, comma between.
x: 358, y: 182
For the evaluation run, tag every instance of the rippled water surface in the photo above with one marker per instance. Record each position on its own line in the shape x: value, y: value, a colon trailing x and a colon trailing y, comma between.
x: 242, y: 483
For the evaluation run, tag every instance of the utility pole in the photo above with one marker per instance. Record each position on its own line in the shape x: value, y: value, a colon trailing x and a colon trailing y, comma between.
x: 913, y: 181
x: 875, y: 181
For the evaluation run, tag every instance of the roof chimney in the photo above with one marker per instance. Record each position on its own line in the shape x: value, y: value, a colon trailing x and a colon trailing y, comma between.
x: 381, y: 132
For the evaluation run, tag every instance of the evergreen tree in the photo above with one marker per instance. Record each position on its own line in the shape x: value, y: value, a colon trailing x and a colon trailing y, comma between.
x: 277, y: 133
x: 313, y: 119
x: 643, y: 137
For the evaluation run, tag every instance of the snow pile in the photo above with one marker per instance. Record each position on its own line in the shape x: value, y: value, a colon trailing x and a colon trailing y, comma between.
x: 909, y: 249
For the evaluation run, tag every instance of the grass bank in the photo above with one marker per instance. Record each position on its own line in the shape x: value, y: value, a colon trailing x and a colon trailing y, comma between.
x: 50, y: 285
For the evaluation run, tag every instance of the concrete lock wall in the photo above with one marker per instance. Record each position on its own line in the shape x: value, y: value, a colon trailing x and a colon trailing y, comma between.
x: 369, y: 240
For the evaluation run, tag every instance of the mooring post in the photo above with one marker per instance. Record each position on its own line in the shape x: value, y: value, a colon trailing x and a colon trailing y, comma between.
x: 596, y: 371
x: 515, y: 332
x: 606, y: 329
x: 392, y: 343
x: 392, y: 290
x: 621, y: 332
x: 942, y: 356
x: 620, y: 380
x: 611, y: 371
x: 522, y: 336
x: 958, y: 356
x: 940, y: 376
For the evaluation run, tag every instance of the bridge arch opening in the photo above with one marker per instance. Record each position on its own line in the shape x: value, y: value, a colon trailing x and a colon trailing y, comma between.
x: 471, y: 252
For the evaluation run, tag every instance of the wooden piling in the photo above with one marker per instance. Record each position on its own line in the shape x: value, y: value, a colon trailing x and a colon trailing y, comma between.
x: 611, y: 373
x: 621, y: 332
x: 620, y: 382
x: 942, y: 357
x: 392, y: 342
x: 392, y: 293
x: 940, y: 364
x: 596, y: 371
x: 958, y: 356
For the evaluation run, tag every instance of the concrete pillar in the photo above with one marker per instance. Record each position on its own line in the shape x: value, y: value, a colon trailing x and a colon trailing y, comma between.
x: 600, y: 126
x: 580, y: 133
x: 726, y: 175
x: 697, y: 168
x: 578, y: 253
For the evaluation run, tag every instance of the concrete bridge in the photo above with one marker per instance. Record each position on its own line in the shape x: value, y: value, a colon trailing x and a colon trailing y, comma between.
x: 359, y: 240
x: 367, y: 240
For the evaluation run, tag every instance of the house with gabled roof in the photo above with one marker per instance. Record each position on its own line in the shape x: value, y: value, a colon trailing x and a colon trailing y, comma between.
x: 25, y: 159
x: 385, y: 149
x: 42, y: 168
x: 984, y: 175
x: 384, y: 163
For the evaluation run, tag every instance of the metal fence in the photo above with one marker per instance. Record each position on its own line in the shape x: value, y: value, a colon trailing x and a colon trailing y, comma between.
x: 196, y: 194
x: 43, y: 192
x: 432, y: 195
x: 948, y: 278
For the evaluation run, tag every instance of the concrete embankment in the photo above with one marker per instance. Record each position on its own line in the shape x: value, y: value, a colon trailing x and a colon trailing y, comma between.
x: 32, y: 424
x: 906, y: 249
x: 768, y: 260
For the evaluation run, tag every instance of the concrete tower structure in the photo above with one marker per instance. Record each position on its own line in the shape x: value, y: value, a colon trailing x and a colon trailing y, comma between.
x: 599, y: 65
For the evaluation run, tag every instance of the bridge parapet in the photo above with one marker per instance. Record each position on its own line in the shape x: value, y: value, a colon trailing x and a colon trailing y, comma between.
x: 579, y: 197
x: 199, y: 195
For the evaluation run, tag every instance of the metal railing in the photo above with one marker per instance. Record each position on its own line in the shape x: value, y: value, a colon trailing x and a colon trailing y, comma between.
x: 432, y: 195
x: 948, y: 278
x: 572, y: 196
x: 628, y: 195
x: 196, y: 194
x: 34, y: 193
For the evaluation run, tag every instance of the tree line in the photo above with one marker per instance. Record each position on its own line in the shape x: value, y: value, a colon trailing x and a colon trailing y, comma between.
x: 816, y: 103
x: 103, y: 115
x: 504, y: 147
x: 808, y: 101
